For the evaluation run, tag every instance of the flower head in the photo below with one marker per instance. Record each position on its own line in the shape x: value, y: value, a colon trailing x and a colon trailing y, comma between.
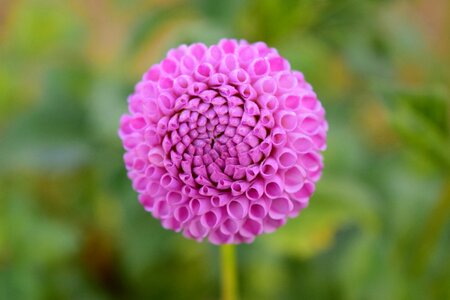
x: 223, y: 142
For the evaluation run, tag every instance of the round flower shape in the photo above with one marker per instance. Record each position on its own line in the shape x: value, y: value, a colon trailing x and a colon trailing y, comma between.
x: 223, y: 142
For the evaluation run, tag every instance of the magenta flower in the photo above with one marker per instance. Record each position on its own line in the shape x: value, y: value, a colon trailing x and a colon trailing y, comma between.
x: 223, y: 142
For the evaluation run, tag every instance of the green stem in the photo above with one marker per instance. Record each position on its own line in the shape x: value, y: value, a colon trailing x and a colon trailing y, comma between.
x: 229, y: 278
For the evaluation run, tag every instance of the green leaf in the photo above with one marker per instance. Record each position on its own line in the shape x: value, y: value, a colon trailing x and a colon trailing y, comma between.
x: 422, y: 121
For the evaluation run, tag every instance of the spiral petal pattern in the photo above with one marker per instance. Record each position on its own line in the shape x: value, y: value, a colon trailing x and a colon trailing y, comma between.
x: 223, y: 142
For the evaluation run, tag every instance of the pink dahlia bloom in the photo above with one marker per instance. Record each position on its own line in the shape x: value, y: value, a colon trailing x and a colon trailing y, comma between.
x: 223, y: 142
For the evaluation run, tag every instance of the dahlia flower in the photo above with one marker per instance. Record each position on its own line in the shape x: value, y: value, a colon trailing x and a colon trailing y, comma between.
x: 223, y: 142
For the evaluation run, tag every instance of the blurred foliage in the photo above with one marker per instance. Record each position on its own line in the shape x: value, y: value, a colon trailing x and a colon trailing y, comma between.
x: 377, y: 228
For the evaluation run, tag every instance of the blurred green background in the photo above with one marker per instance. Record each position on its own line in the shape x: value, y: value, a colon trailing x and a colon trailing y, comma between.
x: 377, y: 228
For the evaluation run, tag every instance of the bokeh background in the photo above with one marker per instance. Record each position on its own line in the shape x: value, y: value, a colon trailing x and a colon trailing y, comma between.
x: 377, y: 228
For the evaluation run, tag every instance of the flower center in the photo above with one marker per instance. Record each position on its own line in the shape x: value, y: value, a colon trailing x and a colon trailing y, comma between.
x: 213, y: 139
